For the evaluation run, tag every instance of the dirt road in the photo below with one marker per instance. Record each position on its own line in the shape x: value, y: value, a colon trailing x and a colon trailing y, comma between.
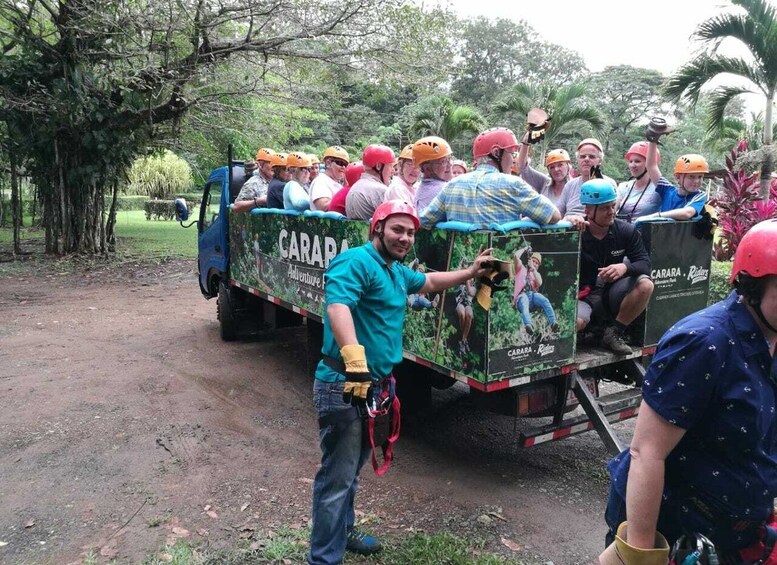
x: 127, y: 422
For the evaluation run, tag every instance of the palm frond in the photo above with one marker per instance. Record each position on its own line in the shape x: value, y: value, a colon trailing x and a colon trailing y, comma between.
x: 689, y: 80
x: 718, y: 101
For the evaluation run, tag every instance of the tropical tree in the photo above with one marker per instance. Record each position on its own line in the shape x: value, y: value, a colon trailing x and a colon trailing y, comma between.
x: 756, y: 29
x: 86, y: 87
x: 570, y: 110
x: 441, y: 116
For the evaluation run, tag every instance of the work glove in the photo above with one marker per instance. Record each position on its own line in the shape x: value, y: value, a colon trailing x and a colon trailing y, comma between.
x: 357, y: 376
x: 656, y: 128
x: 489, y: 285
x: 537, y: 122
x: 705, y: 227
x: 620, y: 552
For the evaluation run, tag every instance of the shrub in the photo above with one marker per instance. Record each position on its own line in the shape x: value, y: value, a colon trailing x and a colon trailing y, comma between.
x: 719, y: 287
x: 159, y: 176
x: 164, y: 209
x: 738, y: 205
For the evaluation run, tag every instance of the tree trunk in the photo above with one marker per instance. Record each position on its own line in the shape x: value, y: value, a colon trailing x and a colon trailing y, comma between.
x: 16, y: 208
x: 768, y: 165
x: 110, y: 228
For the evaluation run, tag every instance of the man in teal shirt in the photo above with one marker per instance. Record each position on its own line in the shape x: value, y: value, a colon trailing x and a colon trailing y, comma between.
x: 366, y: 296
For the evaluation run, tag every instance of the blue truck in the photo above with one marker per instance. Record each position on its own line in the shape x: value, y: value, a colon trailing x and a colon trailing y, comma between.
x: 265, y: 270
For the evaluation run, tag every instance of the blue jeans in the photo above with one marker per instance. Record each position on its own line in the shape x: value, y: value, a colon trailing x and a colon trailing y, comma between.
x: 335, y: 485
x: 531, y: 300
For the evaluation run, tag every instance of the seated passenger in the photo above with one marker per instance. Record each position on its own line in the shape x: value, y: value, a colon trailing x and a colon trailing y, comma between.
x: 325, y: 186
x: 432, y: 155
x: 612, y: 290
x: 489, y: 194
x: 353, y: 173
x: 253, y: 194
x: 556, y: 187
x: 589, y: 162
x: 368, y: 192
x: 295, y: 197
x: 637, y: 196
x: 459, y: 167
x: 686, y: 200
x: 282, y: 176
x: 314, y: 163
x: 402, y: 186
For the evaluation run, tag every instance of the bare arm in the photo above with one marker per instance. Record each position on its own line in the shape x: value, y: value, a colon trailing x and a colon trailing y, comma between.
x: 523, y: 154
x: 322, y: 203
x: 654, y: 439
x: 652, y: 162
x: 241, y: 206
x: 435, y: 282
x: 341, y: 322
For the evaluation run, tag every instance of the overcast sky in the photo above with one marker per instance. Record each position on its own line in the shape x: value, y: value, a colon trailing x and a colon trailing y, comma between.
x: 649, y: 33
x: 652, y: 34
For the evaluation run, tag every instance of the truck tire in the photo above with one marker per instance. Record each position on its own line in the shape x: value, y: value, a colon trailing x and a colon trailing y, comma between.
x: 414, y: 388
x: 225, y: 312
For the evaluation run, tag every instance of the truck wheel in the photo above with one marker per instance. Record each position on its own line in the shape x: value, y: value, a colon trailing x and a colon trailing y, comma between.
x: 225, y: 313
x: 414, y: 388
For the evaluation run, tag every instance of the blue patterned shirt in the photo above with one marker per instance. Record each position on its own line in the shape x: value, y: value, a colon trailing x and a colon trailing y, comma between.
x: 486, y: 196
x: 711, y: 376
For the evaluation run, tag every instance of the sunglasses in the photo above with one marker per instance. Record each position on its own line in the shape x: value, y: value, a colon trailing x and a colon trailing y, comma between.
x: 339, y: 163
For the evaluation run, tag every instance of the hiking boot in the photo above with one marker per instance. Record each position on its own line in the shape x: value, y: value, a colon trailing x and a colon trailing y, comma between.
x: 615, y: 340
x: 361, y: 543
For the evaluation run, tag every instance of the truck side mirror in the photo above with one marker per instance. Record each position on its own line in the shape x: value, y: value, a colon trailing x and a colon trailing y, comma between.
x: 181, y: 210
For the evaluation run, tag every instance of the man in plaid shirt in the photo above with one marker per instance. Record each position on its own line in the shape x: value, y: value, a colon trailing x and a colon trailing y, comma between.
x: 489, y: 195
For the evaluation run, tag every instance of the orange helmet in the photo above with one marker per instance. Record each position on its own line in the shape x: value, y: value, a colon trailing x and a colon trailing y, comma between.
x: 499, y: 138
x: 407, y: 152
x: 313, y: 159
x: 297, y: 159
x: 265, y: 154
x: 640, y: 148
x: 691, y: 163
x: 557, y: 156
x: 430, y: 148
x: 337, y: 152
x: 278, y: 159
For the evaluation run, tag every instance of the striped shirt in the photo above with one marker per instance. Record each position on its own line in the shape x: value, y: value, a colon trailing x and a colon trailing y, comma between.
x: 486, y: 196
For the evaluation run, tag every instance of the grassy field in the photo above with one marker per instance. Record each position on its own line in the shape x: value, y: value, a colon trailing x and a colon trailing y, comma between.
x: 137, y: 238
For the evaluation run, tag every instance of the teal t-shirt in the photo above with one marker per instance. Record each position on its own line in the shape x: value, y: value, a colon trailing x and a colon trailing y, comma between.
x: 377, y: 297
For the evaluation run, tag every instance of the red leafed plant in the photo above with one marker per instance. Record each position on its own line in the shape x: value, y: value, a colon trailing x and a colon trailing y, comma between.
x: 738, y: 206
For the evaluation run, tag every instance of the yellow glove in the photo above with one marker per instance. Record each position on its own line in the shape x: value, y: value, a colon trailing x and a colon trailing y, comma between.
x: 621, y: 553
x: 357, y: 376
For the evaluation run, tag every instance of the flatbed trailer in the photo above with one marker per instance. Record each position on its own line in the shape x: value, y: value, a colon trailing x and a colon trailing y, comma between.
x: 266, y: 269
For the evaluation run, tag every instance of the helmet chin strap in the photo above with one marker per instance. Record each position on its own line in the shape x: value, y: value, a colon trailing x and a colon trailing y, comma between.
x: 596, y: 208
x: 384, y: 250
x: 642, y: 174
x: 498, y: 160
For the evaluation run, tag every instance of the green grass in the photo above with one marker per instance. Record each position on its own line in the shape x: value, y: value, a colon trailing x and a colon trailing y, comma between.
x: 288, y: 545
x: 154, y: 239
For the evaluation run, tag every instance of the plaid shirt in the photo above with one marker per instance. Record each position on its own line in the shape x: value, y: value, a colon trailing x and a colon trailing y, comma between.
x: 486, y: 196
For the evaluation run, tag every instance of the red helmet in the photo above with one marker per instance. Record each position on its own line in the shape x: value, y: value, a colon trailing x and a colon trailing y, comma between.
x: 353, y: 172
x: 500, y: 138
x: 374, y: 155
x: 757, y: 252
x: 390, y: 208
x: 640, y: 148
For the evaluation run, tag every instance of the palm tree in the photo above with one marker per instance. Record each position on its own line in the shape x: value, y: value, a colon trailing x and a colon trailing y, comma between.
x: 756, y: 29
x: 441, y: 116
x: 567, y: 106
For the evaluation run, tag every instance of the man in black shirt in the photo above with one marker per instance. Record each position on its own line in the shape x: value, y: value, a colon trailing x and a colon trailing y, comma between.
x: 281, y: 177
x: 615, y: 284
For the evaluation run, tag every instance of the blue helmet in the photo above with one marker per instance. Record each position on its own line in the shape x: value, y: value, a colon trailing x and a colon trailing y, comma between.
x: 597, y: 191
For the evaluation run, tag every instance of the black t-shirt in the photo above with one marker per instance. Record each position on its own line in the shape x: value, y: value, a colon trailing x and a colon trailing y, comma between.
x: 275, y: 193
x: 622, y: 240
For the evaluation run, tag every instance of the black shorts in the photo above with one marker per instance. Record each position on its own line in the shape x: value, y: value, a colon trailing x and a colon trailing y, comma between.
x: 603, y: 303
